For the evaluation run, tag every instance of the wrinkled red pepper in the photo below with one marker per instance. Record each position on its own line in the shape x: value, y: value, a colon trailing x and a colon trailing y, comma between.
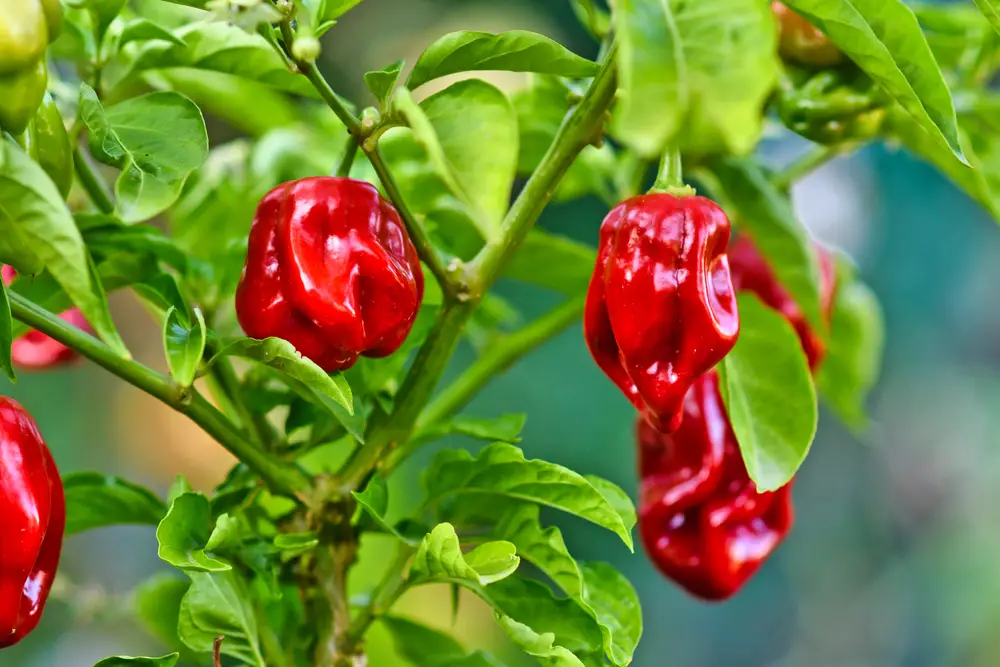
x: 702, y: 520
x: 330, y: 268
x: 751, y: 272
x: 661, y: 309
x: 34, y: 351
x: 32, y: 522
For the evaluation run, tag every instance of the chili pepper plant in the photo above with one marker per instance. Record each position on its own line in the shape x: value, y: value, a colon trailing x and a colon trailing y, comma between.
x: 314, y: 277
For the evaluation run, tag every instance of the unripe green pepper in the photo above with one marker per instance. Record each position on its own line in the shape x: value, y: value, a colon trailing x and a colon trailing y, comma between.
x: 833, y: 107
x: 53, y: 17
x: 20, y: 96
x: 48, y: 144
x: 24, y: 35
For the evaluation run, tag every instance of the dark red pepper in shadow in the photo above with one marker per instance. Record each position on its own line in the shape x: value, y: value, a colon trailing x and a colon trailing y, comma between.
x: 702, y: 520
x: 330, y: 268
x: 34, y: 351
x: 32, y: 522
x: 661, y: 309
x: 803, y: 43
x: 751, y: 272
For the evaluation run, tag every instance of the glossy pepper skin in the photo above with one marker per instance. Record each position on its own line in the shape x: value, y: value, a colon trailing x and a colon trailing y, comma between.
x: 33, y: 508
x: 34, y: 351
x: 803, y: 43
x: 331, y: 269
x: 702, y: 520
x: 24, y: 34
x: 751, y: 272
x: 661, y: 309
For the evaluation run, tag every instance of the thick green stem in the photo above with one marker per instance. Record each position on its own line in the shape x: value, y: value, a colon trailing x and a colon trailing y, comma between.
x: 344, y: 168
x: 284, y: 478
x: 91, y: 181
x: 388, y: 590
x: 670, y: 176
x: 263, y: 433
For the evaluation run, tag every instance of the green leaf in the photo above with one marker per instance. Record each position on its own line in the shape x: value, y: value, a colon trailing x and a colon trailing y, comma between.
x: 381, y: 82
x: 542, y: 647
x: 218, y: 604
x: 106, y: 235
x: 156, y: 141
x: 440, y: 558
x: 694, y: 73
x: 991, y: 10
x: 501, y: 470
x: 184, y: 532
x: 157, y: 603
x: 37, y: 226
x: 143, y: 30
x: 6, y: 335
x: 225, y: 534
x: 337, y: 8
x: 121, y: 661
x: 94, y: 500
x: 769, y: 395
x: 282, y: 356
x: 884, y: 39
x: 476, y: 659
x: 421, y: 645
x: 219, y: 47
x: 104, y: 12
x: 616, y: 498
x: 178, y: 488
x: 502, y: 429
x: 543, y: 548
x: 293, y: 545
x: 552, y: 261
x: 514, y: 51
x: 184, y: 344
x: 854, y: 355
x: 613, y: 602
x: 766, y: 214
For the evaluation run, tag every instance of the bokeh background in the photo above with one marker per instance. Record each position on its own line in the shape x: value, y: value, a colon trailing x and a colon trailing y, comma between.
x: 894, y: 558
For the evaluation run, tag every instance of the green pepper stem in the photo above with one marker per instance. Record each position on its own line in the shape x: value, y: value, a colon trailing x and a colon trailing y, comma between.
x: 91, y: 181
x: 670, y: 175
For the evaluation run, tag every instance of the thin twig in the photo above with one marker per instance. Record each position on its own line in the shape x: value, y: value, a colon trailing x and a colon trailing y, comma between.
x: 217, y: 651
x: 91, y: 181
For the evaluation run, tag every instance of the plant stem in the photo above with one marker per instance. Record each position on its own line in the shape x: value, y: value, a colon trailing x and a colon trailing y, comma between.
x: 261, y: 430
x: 344, y: 168
x: 499, y: 357
x: 91, y: 181
x: 809, y: 163
x: 582, y: 127
x: 388, y: 590
x: 670, y: 176
x: 283, y: 477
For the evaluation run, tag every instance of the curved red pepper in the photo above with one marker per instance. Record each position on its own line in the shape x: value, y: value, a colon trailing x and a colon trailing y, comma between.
x: 661, y: 309
x: 331, y: 269
x: 32, y: 522
x: 751, y: 272
x: 702, y: 520
x: 803, y: 43
x: 34, y: 351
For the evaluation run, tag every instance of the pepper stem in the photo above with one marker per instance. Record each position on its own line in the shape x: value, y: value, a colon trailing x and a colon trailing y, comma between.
x: 670, y: 176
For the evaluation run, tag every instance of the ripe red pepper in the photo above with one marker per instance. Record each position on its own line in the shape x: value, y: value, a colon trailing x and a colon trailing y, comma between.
x: 702, y: 520
x: 661, y: 309
x: 751, y: 272
x: 33, y: 511
x: 802, y: 42
x: 331, y: 269
x: 34, y: 350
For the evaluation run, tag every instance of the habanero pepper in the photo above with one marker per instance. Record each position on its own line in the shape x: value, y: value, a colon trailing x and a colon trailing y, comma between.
x: 702, y: 521
x: 34, y: 351
x: 33, y: 508
x: 331, y: 269
x: 661, y: 308
x: 803, y: 43
x: 751, y: 272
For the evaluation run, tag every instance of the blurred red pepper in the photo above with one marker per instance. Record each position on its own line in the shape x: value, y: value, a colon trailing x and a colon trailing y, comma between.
x: 661, y: 308
x: 802, y: 42
x: 751, y: 272
x: 702, y: 520
x: 330, y: 268
x: 33, y: 511
x: 34, y: 350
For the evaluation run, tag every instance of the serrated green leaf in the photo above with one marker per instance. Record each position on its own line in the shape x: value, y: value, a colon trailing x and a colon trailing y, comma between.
x: 184, y: 344
x: 514, y: 51
x: 769, y: 394
x: 280, y: 355
x: 502, y: 470
x: 439, y: 558
x: 884, y: 39
x: 184, y: 533
x: 94, y: 500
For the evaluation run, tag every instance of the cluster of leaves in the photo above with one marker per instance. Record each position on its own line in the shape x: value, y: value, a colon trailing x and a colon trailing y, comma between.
x: 698, y: 76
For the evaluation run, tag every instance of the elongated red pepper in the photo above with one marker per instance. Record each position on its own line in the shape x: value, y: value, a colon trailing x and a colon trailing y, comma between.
x: 751, y: 272
x: 32, y: 522
x: 661, y: 309
x: 331, y: 269
x: 34, y: 351
x: 702, y: 520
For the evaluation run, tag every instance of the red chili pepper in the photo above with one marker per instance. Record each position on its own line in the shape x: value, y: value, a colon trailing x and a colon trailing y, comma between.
x: 32, y: 522
x: 661, y: 309
x: 34, y: 351
x: 702, y: 520
x: 331, y: 269
x: 751, y: 272
x: 802, y: 42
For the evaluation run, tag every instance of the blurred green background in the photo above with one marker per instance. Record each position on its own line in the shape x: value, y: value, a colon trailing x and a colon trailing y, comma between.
x: 893, y: 560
